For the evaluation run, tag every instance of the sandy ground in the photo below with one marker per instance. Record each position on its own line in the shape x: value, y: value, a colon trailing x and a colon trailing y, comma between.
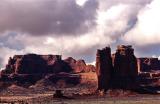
x: 113, y: 100
x: 48, y: 99
x: 41, y: 93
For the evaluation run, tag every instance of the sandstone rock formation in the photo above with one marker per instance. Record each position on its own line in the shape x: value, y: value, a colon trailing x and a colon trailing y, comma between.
x: 79, y: 65
x: 125, y: 62
x: 117, y: 71
x: 90, y: 68
x: 149, y: 71
x: 120, y: 70
x: 30, y: 68
x: 148, y: 64
x: 72, y: 62
x: 36, y: 64
x: 104, y: 68
x: 125, y: 67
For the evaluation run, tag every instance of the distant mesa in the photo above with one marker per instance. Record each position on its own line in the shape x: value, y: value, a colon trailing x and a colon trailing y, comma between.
x: 30, y: 68
x: 43, y: 64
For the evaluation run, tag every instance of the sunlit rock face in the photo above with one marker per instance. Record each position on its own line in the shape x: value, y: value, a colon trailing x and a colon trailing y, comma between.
x: 104, y: 68
x: 79, y: 66
x: 90, y: 68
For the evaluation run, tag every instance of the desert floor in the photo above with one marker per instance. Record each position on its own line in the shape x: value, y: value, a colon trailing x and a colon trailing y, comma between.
x: 83, y: 99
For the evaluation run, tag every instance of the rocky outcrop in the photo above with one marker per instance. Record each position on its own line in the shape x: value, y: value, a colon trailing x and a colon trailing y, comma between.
x: 79, y: 65
x: 36, y: 64
x: 72, y: 62
x: 149, y: 71
x: 148, y: 64
x: 104, y: 68
x: 125, y: 62
x: 90, y: 68
x: 125, y: 67
x: 128, y: 72
x: 29, y: 68
x: 118, y: 70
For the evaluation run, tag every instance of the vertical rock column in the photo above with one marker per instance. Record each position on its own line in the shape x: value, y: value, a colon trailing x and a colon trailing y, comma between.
x: 104, y: 68
x: 125, y: 65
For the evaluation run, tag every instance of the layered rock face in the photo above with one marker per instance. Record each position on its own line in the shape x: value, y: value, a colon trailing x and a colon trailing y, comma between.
x: 30, y: 68
x: 128, y: 72
x: 148, y: 64
x: 104, y: 68
x: 125, y: 67
x: 41, y: 64
x: 125, y: 62
x: 79, y: 65
x: 36, y: 64
x: 149, y: 71
x: 117, y: 71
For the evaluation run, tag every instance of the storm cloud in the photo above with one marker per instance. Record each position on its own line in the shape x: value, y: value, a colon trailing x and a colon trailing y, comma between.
x: 77, y: 27
x: 42, y: 17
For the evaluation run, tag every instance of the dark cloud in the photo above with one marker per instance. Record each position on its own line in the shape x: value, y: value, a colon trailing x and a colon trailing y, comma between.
x: 1, y: 60
x: 64, y: 27
x: 42, y: 17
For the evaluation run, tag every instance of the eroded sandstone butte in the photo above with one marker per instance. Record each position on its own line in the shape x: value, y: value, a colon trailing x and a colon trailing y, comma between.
x: 124, y: 70
x: 29, y: 68
x: 41, y: 64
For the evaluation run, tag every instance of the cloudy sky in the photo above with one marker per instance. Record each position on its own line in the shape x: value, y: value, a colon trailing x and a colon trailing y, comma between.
x: 78, y: 27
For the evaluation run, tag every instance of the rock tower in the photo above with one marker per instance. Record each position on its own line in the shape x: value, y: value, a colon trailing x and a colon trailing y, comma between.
x: 104, y: 68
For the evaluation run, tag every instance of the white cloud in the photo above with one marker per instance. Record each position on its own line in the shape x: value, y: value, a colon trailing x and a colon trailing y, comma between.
x: 146, y: 31
x: 112, y: 20
x: 92, y: 63
x: 65, y: 27
x: 81, y: 2
x: 6, y: 53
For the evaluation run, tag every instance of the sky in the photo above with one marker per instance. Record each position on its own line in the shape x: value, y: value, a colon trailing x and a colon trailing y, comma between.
x: 77, y: 28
